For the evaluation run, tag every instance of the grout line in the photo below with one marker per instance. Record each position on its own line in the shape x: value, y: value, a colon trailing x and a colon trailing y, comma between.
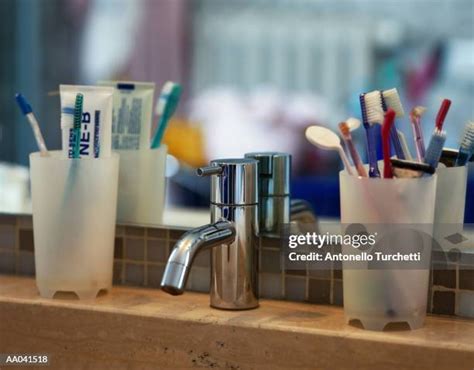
x: 431, y: 291
x: 440, y: 288
x: 17, y: 245
x: 133, y: 237
x: 465, y: 290
x: 456, y: 294
x: 306, y: 295
x: 331, y: 283
x: 124, y: 246
x: 282, y: 276
x: 145, y: 257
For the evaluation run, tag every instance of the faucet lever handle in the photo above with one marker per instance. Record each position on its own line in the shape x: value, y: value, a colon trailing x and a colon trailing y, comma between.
x: 209, y: 170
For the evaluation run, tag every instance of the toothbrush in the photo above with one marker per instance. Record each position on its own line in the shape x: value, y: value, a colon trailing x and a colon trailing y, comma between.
x: 75, y: 145
x: 386, y: 131
x: 326, y: 139
x: 344, y: 128
x: 370, y: 104
x: 435, y: 148
x: 467, y: 145
x: 167, y: 103
x: 443, y: 111
x: 403, y: 141
x: 26, y: 109
x: 391, y: 99
x: 415, y: 118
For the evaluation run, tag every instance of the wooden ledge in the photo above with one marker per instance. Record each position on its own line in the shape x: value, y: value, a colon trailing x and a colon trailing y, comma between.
x: 145, y: 328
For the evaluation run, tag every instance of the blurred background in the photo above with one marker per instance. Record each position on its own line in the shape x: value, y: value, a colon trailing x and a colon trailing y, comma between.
x: 255, y: 73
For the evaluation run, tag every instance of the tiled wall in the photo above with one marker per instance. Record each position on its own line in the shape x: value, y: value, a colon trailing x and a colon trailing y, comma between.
x: 141, y: 254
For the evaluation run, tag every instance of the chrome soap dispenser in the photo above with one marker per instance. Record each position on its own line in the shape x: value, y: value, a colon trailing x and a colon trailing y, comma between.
x: 232, y: 235
x: 274, y: 170
x: 276, y: 208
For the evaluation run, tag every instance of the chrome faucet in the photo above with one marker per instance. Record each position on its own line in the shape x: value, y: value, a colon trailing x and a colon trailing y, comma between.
x: 276, y: 208
x: 232, y: 235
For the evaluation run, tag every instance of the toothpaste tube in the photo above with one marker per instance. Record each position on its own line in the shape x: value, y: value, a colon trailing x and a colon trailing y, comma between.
x: 132, y: 114
x: 96, y: 123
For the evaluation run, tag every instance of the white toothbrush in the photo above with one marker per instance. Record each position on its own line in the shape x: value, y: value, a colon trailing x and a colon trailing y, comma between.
x: 326, y: 139
x: 391, y: 99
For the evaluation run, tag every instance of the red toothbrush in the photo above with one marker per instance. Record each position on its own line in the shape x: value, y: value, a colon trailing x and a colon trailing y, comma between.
x: 443, y: 111
x: 386, y: 127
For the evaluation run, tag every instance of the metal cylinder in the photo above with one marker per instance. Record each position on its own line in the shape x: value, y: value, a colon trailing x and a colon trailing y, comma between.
x: 274, y: 171
x: 233, y: 181
x: 234, y: 274
x: 234, y: 198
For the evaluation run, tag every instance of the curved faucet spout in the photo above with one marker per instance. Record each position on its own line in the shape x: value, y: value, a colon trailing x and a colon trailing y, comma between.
x: 191, y: 243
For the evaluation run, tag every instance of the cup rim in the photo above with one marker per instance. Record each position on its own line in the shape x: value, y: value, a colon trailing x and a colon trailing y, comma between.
x: 344, y: 174
x: 57, y: 155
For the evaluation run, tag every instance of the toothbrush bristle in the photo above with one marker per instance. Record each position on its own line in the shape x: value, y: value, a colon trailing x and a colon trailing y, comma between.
x: 418, y: 111
x: 373, y: 107
x: 164, y: 96
x: 167, y: 87
x: 467, y: 141
x: 392, y: 100
x: 435, y: 148
x: 78, y: 109
x: 363, y: 110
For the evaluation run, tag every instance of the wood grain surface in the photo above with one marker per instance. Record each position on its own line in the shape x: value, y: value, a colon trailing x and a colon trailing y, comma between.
x: 131, y: 328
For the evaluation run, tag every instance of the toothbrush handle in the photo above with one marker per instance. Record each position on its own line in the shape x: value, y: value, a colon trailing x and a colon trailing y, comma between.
x: 356, y: 158
x: 159, y: 133
x: 387, y: 168
x: 345, y: 160
x: 419, y: 143
x: 396, y: 143
x: 403, y: 141
x: 462, y: 158
x: 37, y: 133
x: 372, y: 152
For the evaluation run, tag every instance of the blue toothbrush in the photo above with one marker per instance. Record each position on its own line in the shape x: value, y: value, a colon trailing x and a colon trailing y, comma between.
x: 435, y: 148
x: 466, y: 149
x: 370, y: 117
x: 26, y: 109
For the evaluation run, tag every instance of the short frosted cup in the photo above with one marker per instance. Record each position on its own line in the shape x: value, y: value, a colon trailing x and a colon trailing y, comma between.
x: 74, y: 214
x: 142, y: 185
x: 378, y: 297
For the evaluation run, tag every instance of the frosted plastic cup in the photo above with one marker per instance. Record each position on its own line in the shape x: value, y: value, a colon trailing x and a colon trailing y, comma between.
x: 142, y: 185
x: 74, y: 210
x: 380, y: 296
x: 451, y: 195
